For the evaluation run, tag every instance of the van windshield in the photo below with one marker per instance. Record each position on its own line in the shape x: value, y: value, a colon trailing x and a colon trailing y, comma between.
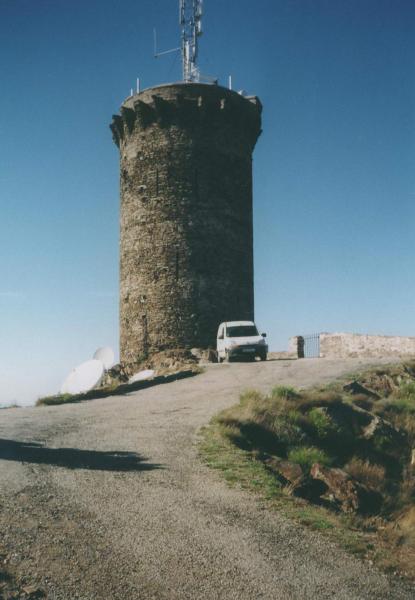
x: 241, y: 331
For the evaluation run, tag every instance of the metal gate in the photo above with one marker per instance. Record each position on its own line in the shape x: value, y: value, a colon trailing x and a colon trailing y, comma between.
x: 311, y: 347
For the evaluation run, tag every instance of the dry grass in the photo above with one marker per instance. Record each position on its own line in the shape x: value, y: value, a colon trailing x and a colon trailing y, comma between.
x: 321, y: 425
x: 406, y: 525
x: 369, y: 474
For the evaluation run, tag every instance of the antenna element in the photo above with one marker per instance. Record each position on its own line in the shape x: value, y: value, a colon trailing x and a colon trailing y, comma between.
x: 191, y: 23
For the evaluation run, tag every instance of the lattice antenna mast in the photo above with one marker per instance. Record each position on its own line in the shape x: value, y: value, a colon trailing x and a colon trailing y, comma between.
x: 191, y: 24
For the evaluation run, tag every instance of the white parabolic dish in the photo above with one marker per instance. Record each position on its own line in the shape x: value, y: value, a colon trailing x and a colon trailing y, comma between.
x: 83, y: 378
x: 141, y: 376
x: 106, y: 356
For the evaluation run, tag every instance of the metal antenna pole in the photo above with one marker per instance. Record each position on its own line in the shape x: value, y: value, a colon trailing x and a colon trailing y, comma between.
x: 191, y: 24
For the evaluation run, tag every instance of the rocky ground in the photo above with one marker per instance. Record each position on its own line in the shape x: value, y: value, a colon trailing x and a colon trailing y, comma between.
x: 107, y: 499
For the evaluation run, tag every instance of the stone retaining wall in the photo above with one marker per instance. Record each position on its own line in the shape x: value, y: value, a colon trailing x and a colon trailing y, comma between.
x: 351, y: 345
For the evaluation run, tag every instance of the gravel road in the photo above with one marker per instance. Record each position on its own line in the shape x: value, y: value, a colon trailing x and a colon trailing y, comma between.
x: 108, y: 500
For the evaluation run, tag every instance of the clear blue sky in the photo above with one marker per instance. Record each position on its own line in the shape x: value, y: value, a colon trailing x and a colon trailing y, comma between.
x: 334, y: 176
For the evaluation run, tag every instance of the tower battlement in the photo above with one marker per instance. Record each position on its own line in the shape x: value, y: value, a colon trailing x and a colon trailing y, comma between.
x: 189, y: 105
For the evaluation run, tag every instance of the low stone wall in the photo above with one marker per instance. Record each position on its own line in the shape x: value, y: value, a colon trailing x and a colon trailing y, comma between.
x: 282, y: 355
x: 351, y: 345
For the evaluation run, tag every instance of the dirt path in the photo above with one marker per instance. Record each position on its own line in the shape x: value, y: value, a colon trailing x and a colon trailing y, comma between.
x: 86, y: 521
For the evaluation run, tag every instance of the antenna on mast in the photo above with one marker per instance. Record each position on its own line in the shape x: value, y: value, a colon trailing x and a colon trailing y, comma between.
x: 191, y: 24
x: 190, y: 19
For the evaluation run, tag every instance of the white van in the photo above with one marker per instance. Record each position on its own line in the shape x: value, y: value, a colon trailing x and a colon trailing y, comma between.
x: 240, y: 339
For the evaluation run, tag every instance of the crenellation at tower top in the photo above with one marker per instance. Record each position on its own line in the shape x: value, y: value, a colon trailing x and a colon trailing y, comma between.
x: 183, y: 103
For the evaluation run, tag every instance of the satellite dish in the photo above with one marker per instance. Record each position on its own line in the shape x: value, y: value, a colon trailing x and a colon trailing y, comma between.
x: 106, y: 356
x: 83, y: 378
x: 141, y: 376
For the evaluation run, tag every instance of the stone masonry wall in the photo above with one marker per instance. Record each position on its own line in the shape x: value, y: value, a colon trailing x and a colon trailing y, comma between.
x: 186, y: 248
x: 348, y: 345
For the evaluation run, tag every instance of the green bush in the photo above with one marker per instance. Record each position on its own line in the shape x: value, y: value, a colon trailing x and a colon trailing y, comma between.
x: 287, y: 432
x: 284, y: 392
x: 294, y: 416
x: 306, y: 456
x: 56, y: 399
x: 404, y: 398
x: 403, y: 405
x: 402, y: 401
x: 407, y: 390
x: 321, y: 423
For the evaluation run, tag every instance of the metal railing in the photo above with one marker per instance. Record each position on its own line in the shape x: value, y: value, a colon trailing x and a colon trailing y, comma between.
x: 311, y: 346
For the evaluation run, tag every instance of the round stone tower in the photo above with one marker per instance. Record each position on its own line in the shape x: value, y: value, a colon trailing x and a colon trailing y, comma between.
x: 186, y: 252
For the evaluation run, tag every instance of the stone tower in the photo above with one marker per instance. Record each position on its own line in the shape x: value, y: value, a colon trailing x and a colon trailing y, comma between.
x: 186, y: 250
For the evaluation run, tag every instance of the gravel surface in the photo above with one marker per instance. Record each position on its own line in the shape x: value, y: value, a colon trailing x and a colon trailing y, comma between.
x: 114, y: 504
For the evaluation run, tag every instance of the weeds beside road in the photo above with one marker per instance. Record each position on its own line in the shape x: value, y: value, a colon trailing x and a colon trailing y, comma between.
x: 338, y: 458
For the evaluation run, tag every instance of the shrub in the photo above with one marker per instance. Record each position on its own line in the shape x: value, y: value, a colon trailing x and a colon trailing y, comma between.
x: 404, y: 398
x: 294, y: 416
x: 52, y: 400
x: 407, y: 390
x: 306, y: 456
x: 250, y: 397
x: 284, y: 392
x: 402, y: 401
x: 318, y: 398
x: 321, y: 423
x: 233, y: 434
x: 288, y: 432
x: 406, y: 405
x: 406, y: 422
x: 248, y: 400
x: 369, y: 474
